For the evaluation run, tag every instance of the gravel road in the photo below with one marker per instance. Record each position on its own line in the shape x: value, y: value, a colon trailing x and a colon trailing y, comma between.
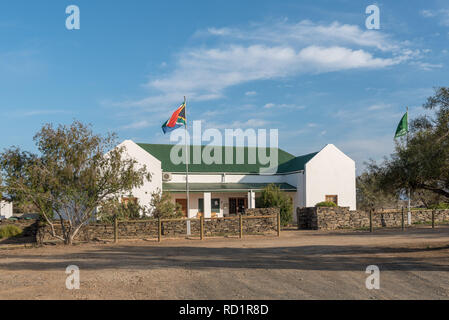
x: 298, y: 265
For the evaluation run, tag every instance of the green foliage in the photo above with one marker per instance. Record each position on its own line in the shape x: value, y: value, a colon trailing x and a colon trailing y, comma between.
x: 74, y: 172
x: 440, y: 206
x: 273, y: 197
x: 423, y: 162
x: 10, y: 231
x: 163, y: 207
x: 326, y: 204
x: 370, y: 194
x: 124, y: 211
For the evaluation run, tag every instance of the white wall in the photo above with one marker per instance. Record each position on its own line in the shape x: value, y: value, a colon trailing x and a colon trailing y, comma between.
x: 143, y: 194
x: 6, y: 209
x: 330, y: 172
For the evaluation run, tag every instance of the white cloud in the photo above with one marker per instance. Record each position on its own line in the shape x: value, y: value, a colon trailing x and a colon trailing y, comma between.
x: 428, y: 66
x: 306, y: 32
x: 442, y: 15
x: 137, y: 125
x: 248, y: 124
x: 269, y: 52
x: 427, y: 13
x: 283, y: 106
x: 250, y: 93
x: 32, y: 113
x: 378, y: 106
x: 211, y: 71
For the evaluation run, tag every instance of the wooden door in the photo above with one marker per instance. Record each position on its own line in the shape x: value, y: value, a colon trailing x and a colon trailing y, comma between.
x: 237, y: 205
x: 242, y: 204
x: 232, y: 206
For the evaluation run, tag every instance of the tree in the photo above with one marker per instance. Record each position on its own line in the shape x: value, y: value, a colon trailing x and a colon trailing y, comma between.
x: 273, y: 197
x: 116, y: 209
x: 370, y: 195
x: 163, y: 207
x: 73, y: 174
x: 423, y: 162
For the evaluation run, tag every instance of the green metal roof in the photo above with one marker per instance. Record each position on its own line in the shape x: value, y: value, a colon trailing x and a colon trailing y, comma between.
x: 286, y: 161
x: 222, y: 187
x: 296, y: 164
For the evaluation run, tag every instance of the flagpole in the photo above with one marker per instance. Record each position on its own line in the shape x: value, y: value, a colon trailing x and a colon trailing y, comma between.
x: 409, y: 214
x: 187, y: 158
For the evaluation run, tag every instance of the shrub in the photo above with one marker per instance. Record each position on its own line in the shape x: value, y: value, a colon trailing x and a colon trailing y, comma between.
x: 326, y: 204
x: 124, y: 211
x: 273, y: 197
x: 441, y: 205
x: 10, y: 231
x: 163, y: 207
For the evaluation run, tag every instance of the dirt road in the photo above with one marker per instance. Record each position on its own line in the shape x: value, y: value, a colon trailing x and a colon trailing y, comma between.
x: 299, y: 265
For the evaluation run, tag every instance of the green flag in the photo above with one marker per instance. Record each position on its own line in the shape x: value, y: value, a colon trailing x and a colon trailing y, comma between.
x: 402, y: 127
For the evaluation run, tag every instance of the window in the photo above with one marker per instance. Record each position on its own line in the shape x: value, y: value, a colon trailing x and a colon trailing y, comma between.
x: 333, y: 199
x: 214, y: 205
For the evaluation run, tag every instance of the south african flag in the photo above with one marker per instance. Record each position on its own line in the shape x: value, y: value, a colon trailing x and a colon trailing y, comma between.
x: 178, y: 119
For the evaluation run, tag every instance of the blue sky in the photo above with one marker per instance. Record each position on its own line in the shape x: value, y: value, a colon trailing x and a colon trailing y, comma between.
x: 310, y: 69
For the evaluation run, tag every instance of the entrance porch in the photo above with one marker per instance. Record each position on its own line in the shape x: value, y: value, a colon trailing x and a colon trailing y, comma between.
x: 218, y: 200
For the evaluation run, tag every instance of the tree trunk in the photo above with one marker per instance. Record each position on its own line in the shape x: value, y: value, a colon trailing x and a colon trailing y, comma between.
x: 68, y: 239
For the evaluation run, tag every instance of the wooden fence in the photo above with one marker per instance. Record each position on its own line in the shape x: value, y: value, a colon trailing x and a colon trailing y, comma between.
x: 241, y: 223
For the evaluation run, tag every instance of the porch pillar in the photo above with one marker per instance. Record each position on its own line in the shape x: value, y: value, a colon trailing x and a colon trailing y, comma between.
x: 207, y: 204
x: 251, y: 199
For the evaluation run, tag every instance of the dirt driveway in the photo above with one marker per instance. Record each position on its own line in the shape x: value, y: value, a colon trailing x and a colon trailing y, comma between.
x: 299, y: 265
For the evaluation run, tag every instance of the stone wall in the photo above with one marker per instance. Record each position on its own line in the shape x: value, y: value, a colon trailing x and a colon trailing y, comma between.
x: 333, y: 218
x: 148, y: 229
x: 262, y: 212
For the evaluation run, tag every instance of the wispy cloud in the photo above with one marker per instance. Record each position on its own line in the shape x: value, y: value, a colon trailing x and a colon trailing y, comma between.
x: 137, y: 125
x: 269, y: 52
x: 441, y: 14
x: 31, y: 113
x: 283, y: 106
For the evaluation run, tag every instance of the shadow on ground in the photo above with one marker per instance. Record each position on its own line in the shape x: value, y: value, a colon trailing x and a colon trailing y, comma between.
x: 308, y: 257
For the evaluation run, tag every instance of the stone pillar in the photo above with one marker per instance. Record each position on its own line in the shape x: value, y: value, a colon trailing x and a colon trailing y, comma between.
x: 207, y: 204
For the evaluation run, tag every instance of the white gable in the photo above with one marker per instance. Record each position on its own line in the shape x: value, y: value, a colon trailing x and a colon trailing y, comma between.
x: 330, y: 172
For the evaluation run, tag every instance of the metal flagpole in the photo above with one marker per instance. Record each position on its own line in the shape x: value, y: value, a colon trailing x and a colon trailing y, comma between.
x: 187, y: 158
x: 409, y: 214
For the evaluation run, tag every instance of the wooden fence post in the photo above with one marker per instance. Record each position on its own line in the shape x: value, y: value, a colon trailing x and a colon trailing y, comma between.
x: 402, y: 220
x: 240, y: 226
x: 371, y: 227
x: 115, y: 229
x: 159, y: 230
x: 433, y: 219
x: 202, y: 227
x: 297, y: 218
x: 279, y: 223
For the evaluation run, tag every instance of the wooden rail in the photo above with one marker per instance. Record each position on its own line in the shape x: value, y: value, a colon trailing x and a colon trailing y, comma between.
x: 201, y: 220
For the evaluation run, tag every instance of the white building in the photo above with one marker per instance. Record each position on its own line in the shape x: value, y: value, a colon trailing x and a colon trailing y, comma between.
x: 223, y: 189
x: 6, y: 209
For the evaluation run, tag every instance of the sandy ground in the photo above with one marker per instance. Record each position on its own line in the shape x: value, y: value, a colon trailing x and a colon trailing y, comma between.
x: 298, y: 265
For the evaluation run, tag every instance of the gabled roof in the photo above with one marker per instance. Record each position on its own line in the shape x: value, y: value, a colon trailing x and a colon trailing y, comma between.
x: 286, y: 161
